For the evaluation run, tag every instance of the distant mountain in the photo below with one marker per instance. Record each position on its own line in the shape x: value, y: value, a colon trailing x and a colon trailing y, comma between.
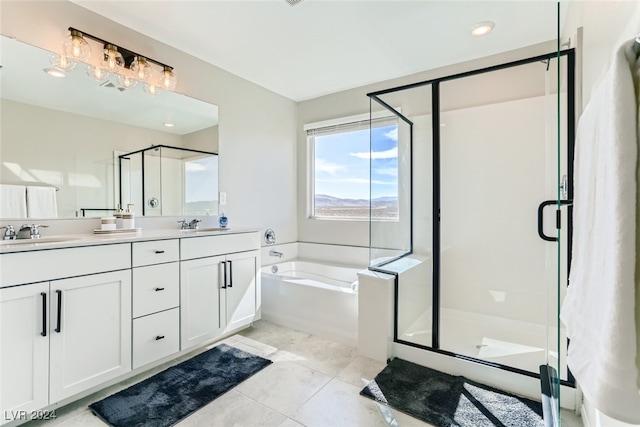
x: 323, y: 200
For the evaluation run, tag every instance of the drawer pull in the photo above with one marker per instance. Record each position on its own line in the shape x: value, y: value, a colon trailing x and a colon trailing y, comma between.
x: 159, y: 289
x: 44, y: 314
x: 159, y: 337
x: 159, y: 252
x: 59, y: 316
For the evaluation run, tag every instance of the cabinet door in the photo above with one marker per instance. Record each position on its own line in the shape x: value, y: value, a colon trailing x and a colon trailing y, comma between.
x: 24, y: 350
x: 242, y: 288
x: 90, y: 331
x: 200, y: 282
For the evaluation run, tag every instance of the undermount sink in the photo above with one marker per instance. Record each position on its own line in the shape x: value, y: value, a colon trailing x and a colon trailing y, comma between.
x: 205, y: 229
x: 52, y: 239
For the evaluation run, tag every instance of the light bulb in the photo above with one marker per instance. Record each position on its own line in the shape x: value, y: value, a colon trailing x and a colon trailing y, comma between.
x: 112, y: 60
x: 126, y: 81
x: 76, y: 47
x: 97, y: 73
x: 151, y: 89
x: 141, y: 69
x: 62, y: 62
x: 169, y: 79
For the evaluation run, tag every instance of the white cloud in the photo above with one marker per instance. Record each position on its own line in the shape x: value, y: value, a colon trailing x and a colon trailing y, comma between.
x: 392, y: 153
x: 331, y: 168
x: 386, y: 171
x: 392, y: 134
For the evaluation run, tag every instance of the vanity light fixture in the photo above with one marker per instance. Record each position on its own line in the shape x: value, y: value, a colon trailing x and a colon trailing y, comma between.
x: 482, y: 28
x: 169, y: 124
x: 126, y: 67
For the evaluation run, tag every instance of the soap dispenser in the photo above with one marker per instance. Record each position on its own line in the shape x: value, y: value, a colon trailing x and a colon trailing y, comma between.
x: 222, y: 220
x: 118, y: 216
x: 128, y: 218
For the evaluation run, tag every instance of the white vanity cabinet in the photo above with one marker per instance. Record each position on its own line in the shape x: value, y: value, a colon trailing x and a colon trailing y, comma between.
x: 156, y: 300
x: 24, y: 348
x: 200, y: 300
x: 72, y: 319
x: 66, y: 334
x: 90, y: 331
x: 219, y: 285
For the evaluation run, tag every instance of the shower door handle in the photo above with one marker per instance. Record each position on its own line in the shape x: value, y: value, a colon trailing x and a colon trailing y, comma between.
x: 540, y: 217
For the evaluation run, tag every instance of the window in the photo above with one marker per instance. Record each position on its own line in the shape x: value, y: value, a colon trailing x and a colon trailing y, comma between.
x: 354, y: 171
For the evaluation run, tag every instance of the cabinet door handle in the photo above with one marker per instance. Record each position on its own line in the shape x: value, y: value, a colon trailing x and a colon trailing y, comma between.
x: 224, y: 276
x: 59, y: 322
x: 159, y: 252
x: 44, y: 314
x: 159, y: 289
x: 159, y: 337
x: 230, y: 274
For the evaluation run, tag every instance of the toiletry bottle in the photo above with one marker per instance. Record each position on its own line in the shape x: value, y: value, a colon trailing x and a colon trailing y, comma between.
x: 128, y: 218
x: 222, y: 220
x: 118, y: 216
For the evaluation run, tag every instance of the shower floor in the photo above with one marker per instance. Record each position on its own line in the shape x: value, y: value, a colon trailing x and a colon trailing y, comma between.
x: 508, y: 342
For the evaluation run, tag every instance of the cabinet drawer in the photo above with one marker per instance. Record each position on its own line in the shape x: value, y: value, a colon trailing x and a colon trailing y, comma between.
x: 155, y: 288
x: 155, y: 252
x: 155, y: 336
x: 199, y: 247
x: 39, y: 266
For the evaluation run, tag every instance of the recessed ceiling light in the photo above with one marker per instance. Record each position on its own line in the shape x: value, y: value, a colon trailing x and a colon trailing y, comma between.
x: 55, y: 72
x: 482, y: 28
x: 169, y: 124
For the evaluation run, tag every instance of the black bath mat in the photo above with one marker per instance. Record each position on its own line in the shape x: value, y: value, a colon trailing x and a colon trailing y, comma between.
x: 447, y: 401
x: 169, y: 396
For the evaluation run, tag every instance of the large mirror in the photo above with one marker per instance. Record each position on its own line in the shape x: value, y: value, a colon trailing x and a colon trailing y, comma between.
x: 67, y: 134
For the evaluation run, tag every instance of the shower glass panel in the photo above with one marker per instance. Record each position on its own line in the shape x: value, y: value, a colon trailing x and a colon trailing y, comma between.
x: 390, y: 185
x: 499, y: 160
x: 413, y: 231
x: 164, y: 180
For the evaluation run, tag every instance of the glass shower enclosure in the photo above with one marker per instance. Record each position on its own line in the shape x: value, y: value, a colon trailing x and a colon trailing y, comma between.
x: 165, y: 180
x: 485, y: 171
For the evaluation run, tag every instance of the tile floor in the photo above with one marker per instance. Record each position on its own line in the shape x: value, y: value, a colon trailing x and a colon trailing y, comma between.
x: 313, y: 382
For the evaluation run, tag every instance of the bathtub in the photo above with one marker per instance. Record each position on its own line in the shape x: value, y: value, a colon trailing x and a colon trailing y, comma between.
x: 315, y: 298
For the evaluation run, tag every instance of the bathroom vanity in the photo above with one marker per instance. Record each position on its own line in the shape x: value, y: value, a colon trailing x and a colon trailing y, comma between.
x: 78, y: 313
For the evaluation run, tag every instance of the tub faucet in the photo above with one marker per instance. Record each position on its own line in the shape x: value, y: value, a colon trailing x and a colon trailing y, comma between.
x: 273, y: 252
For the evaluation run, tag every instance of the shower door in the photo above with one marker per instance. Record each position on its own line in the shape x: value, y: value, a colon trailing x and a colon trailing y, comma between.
x: 501, y: 164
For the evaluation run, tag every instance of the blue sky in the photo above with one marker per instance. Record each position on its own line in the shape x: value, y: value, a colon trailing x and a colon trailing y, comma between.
x: 342, y: 163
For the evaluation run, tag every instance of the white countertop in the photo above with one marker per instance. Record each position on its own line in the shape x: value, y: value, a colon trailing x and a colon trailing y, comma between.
x: 77, y: 240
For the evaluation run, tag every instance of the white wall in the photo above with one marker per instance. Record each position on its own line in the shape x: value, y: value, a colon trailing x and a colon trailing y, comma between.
x: 257, y: 140
x: 203, y: 140
x: 606, y: 25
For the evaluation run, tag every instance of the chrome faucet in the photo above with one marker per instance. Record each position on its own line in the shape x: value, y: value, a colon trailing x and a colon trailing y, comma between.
x: 186, y: 225
x: 9, y: 232
x: 273, y: 252
x: 30, y: 231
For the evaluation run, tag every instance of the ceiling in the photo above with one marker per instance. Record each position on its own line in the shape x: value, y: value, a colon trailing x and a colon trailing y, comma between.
x: 318, y: 47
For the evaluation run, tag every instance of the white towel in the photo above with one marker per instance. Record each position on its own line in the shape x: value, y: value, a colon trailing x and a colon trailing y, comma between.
x: 13, y: 201
x: 598, y: 310
x: 41, y: 202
